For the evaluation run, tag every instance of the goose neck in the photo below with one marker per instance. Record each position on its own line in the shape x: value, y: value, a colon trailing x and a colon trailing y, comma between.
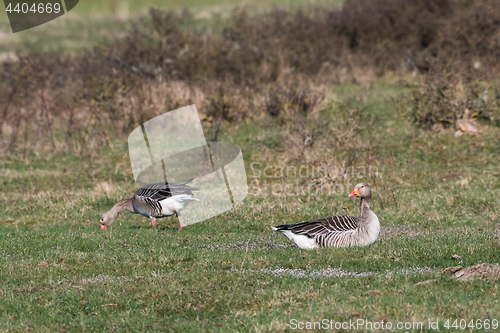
x: 120, y: 206
x: 364, y: 208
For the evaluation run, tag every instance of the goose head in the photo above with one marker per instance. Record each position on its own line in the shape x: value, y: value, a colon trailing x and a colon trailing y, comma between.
x: 362, y: 190
x: 106, y: 220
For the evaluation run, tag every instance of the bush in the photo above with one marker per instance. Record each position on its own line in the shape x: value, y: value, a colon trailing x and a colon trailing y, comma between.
x: 258, y: 65
x: 444, y: 100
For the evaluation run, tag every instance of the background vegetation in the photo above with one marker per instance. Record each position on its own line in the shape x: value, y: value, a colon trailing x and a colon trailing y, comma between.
x: 366, y: 90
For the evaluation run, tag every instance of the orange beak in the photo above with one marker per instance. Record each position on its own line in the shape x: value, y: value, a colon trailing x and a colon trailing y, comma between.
x: 102, y: 227
x: 354, y: 193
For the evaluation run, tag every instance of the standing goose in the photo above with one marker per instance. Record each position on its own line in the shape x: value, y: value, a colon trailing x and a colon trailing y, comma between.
x: 340, y: 230
x: 154, y: 201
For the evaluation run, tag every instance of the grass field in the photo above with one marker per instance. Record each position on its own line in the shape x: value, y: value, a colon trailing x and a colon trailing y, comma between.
x: 437, y: 201
x: 231, y: 273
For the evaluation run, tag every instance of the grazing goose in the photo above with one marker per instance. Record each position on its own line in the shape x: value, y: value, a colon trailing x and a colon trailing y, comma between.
x: 154, y: 201
x: 340, y: 230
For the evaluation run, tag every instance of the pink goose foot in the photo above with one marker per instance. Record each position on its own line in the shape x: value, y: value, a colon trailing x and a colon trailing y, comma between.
x: 153, y: 223
x: 180, y: 225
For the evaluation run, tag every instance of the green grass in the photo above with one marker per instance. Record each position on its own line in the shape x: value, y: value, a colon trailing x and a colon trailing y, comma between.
x: 58, y: 271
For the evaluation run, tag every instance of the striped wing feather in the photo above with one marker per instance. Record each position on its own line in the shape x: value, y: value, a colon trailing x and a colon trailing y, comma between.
x: 339, y: 223
x: 160, y: 191
x: 332, y: 231
x: 146, y: 200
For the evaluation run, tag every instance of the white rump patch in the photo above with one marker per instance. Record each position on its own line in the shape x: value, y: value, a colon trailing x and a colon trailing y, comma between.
x: 302, y: 241
x: 176, y: 203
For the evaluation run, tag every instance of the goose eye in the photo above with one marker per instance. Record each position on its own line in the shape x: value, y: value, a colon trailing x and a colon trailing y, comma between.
x: 363, y: 186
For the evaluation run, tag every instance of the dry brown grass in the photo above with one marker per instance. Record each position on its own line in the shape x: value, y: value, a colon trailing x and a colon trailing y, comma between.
x: 276, y: 64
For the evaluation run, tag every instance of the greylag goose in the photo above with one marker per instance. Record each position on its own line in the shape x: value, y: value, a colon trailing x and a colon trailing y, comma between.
x: 154, y: 201
x: 340, y: 230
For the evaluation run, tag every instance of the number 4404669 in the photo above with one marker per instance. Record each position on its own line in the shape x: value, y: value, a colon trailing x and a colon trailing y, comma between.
x: 472, y: 324
x: 35, y: 8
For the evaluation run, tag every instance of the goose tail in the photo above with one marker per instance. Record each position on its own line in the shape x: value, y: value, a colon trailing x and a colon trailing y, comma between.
x: 281, y: 227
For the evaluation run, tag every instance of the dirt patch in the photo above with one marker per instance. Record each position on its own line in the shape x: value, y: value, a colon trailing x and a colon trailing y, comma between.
x: 481, y: 270
x: 451, y: 270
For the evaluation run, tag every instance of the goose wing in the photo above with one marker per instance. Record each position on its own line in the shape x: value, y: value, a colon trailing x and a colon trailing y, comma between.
x: 163, y: 190
x: 323, y: 227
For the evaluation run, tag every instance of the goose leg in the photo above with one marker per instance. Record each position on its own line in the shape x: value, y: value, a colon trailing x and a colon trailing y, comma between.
x: 179, y: 218
x: 153, y: 222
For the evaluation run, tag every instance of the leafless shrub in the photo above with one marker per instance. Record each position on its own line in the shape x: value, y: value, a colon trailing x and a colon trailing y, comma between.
x: 259, y: 65
x: 333, y: 130
x: 293, y: 97
x: 443, y: 100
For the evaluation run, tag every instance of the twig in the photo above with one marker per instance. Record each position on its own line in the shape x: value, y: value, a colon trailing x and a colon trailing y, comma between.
x: 13, y: 140
x: 67, y: 135
x: 85, y: 137
x: 373, y: 177
x: 44, y: 104
x: 6, y: 109
x: 392, y: 189
x: 217, y: 129
x: 130, y: 122
x: 38, y: 131
x: 26, y: 138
